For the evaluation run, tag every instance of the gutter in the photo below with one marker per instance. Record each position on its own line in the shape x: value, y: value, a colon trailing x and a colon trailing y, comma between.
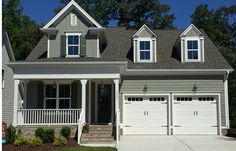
x: 180, y: 70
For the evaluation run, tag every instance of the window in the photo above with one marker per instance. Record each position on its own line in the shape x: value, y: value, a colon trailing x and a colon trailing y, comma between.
x: 73, y: 20
x: 57, y: 96
x: 192, y: 50
x: 73, y: 45
x: 144, y: 51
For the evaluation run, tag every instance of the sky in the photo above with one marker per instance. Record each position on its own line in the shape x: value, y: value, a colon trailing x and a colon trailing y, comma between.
x: 42, y: 10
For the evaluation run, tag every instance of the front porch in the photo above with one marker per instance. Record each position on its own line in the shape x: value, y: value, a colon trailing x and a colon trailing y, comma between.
x: 51, y: 102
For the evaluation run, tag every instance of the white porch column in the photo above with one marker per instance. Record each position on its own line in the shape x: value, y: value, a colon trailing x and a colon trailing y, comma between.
x: 83, y: 104
x: 117, y: 111
x: 15, y: 105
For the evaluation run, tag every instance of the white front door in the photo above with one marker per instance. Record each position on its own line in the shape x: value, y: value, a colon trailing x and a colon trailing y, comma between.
x: 195, y: 114
x: 145, y: 114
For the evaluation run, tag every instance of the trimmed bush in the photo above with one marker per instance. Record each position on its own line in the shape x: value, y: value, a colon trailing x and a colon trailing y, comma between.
x: 65, y: 132
x: 11, y: 134
x: 58, y: 141
x: 36, y: 141
x: 49, y: 135
x: 20, y: 141
x: 40, y: 133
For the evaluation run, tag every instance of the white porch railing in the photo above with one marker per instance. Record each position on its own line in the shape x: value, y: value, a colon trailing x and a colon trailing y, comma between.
x: 48, y: 116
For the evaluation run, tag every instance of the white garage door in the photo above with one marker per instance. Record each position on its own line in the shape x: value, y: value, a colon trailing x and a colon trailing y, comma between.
x: 145, y: 115
x: 195, y: 115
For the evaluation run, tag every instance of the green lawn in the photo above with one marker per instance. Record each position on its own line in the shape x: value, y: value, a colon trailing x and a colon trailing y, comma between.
x: 81, y: 148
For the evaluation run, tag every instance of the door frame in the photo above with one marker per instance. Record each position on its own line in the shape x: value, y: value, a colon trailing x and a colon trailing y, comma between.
x: 148, y: 94
x: 97, y: 82
x: 218, y: 105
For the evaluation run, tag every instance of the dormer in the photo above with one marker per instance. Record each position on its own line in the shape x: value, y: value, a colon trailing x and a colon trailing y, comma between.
x: 192, y: 45
x: 69, y: 33
x: 144, y: 46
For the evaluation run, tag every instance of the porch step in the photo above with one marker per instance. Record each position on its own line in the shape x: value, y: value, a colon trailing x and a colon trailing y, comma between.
x: 99, y: 134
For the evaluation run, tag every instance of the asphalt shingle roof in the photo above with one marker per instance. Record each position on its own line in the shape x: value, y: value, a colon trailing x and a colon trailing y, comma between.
x: 119, y: 48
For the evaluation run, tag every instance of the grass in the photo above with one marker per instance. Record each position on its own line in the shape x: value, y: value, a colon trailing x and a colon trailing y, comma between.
x: 82, y: 148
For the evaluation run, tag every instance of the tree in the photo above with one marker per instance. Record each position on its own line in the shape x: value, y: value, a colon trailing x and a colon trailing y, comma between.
x: 128, y: 13
x: 221, y: 28
x: 24, y: 33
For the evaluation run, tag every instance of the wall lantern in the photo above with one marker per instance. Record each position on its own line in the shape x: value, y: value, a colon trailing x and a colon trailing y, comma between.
x: 195, y: 88
x: 145, y: 88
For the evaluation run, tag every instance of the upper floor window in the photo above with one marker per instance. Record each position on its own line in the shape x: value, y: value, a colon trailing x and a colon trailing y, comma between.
x: 73, y: 20
x: 144, y: 51
x: 73, y: 45
x: 192, y: 50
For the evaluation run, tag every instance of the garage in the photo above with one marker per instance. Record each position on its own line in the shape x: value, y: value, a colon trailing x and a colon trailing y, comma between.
x: 145, y: 114
x: 195, y: 114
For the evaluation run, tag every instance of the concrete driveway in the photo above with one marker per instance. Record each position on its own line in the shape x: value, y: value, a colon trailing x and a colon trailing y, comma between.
x: 176, y: 143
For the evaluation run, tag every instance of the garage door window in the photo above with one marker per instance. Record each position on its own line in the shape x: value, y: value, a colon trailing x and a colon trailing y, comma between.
x: 184, y: 98
x: 157, y: 99
x: 206, y: 99
x: 135, y: 99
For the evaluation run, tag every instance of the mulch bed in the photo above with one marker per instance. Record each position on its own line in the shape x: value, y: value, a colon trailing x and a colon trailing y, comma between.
x: 44, y: 147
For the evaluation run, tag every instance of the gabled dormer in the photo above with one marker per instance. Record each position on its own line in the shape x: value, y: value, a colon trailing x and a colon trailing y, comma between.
x: 144, y: 45
x: 192, y: 45
x: 69, y: 33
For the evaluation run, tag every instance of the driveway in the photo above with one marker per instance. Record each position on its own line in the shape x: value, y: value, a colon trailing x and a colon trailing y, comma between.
x: 176, y: 143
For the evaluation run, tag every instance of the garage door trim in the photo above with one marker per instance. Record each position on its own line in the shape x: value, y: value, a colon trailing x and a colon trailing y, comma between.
x: 148, y: 94
x: 196, y: 94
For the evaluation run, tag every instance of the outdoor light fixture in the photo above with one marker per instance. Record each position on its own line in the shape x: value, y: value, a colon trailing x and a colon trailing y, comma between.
x: 145, y: 88
x: 195, y: 88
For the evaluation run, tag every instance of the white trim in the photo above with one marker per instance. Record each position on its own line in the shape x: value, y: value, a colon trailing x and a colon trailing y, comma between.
x: 117, y: 108
x: 98, y: 49
x: 83, y: 98
x: 67, y: 76
x: 142, y: 28
x: 189, y: 28
x: 151, y: 50
x: 78, y: 8
x: 15, y: 105
x: 198, y: 50
x: 202, y: 49
x: 67, y: 45
x: 48, y: 52
x: 65, y: 63
x: 218, y: 107
x: 89, y: 101
x: 181, y: 70
x: 134, y: 49
x: 182, y: 41
x: 226, y: 99
x: 154, y: 42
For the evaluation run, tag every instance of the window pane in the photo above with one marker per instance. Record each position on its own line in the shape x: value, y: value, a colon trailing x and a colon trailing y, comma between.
x: 192, y: 44
x: 64, y: 90
x: 192, y: 55
x: 144, y: 45
x: 73, y: 50
x: 51, y: 103
x: 64, y: 103
x: 144, y: 55
x: 73, y: 40
x: 51, y: 90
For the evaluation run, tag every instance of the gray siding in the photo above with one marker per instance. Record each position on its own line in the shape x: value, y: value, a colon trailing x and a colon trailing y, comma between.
x: 65, y: 26
x: 8, y: 90
x: 145, y: 33
x: 173, y: 84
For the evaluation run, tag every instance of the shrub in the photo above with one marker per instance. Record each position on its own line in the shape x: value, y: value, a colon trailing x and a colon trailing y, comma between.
x: 65, y: 132
x: 20, y: 141
x: 36, y: 141
x: 58, y: 141
x: 49, y: 135
x: 40, y: 133
x: 11, y: 134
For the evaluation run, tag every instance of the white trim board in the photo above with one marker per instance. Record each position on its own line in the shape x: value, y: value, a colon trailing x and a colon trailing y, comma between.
x: 78, y: 9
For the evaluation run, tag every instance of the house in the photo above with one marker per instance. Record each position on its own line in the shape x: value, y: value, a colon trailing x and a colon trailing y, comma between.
x: 122, y: 82
x: 8, y: 80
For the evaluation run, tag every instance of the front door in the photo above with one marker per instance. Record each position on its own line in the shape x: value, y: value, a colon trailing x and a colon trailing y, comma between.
x: 104, y: 98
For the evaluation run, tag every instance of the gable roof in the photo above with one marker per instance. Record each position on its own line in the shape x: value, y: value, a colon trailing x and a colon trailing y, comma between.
x: 7, y: 43
x: 79, y: 9
x: 119, y: 48
x: 192, y: 26
x: 142, y: 28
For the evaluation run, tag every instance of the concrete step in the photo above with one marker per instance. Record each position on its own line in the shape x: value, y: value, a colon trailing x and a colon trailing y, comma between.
x: 100, y: 127
x: 96, y: 134
x: 90, y: 140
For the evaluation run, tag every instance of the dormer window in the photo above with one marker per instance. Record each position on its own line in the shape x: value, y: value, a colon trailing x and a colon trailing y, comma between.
x: 144, y: 50
x: 192, y: 48
x: 73, y: 44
